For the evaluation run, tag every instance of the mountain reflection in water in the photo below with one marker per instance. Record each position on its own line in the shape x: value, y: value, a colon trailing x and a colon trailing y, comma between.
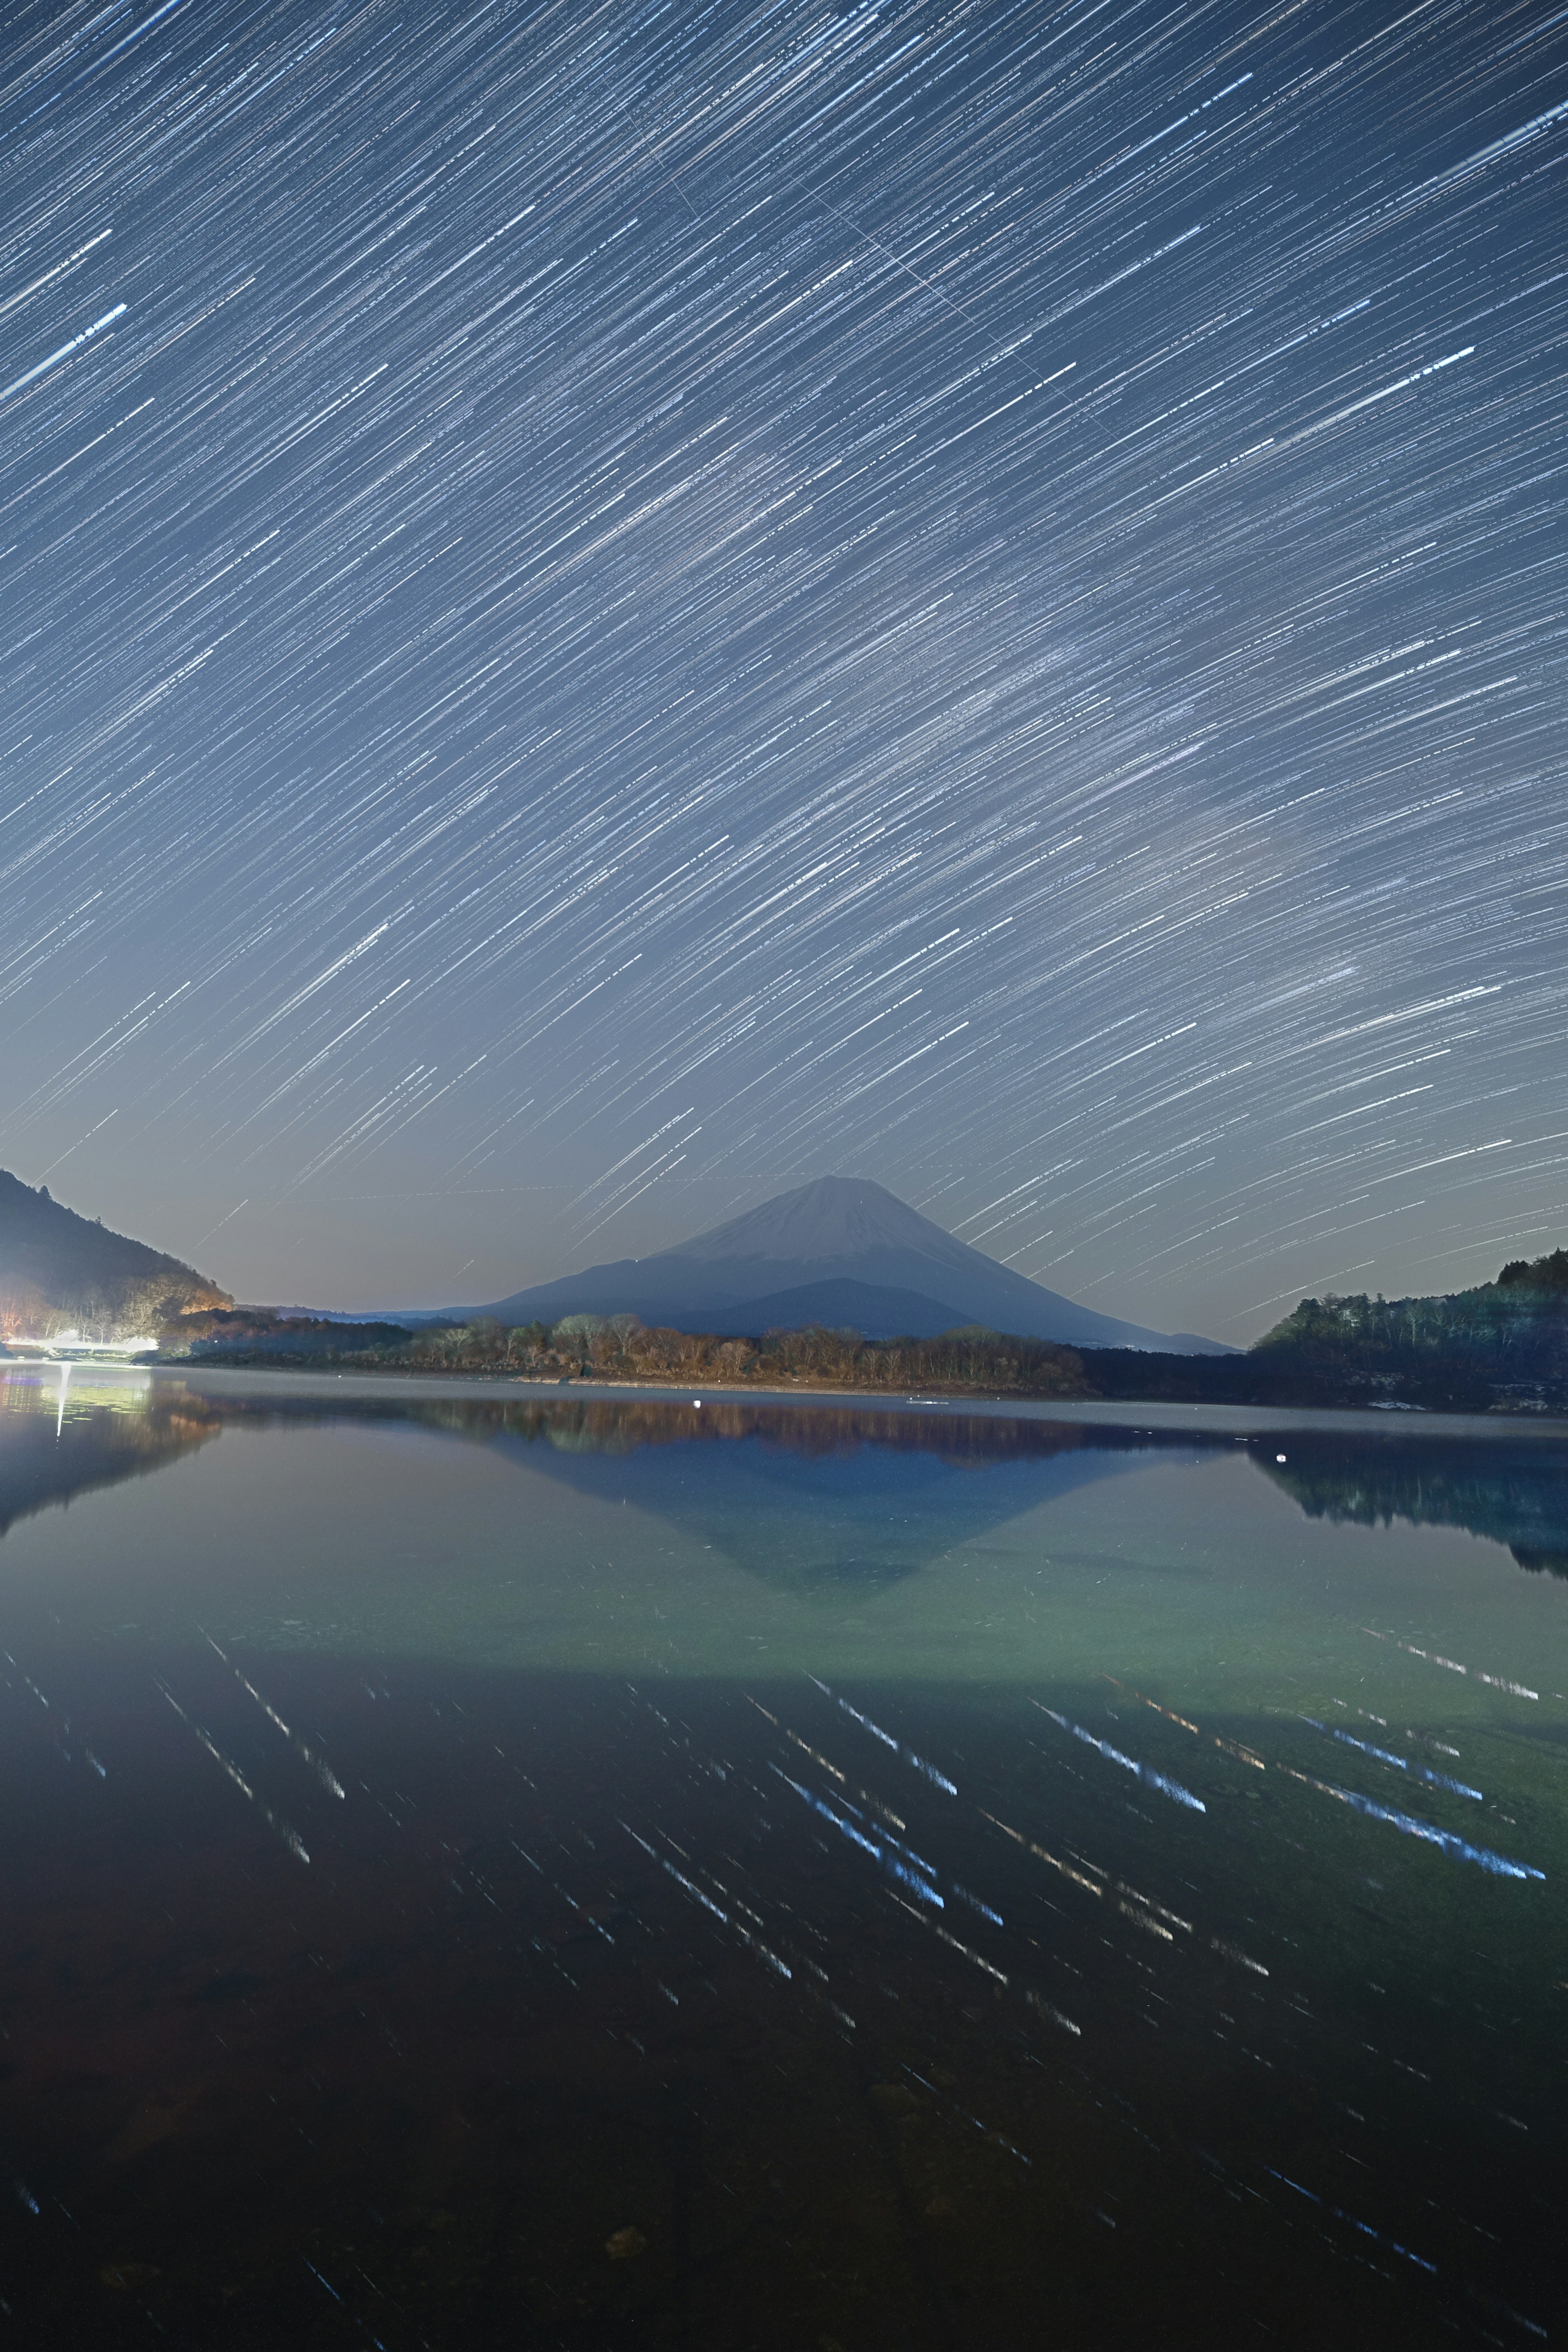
x: 539, y: 1870
x: 61, y: 1436
x: 1517, y: 1497
x: 1510, y: 1488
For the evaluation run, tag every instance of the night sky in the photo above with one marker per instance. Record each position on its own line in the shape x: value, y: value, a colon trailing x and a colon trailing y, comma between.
x: 609, y: 609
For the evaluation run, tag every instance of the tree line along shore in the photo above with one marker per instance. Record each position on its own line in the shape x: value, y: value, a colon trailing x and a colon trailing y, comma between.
x: 1501, y: 1346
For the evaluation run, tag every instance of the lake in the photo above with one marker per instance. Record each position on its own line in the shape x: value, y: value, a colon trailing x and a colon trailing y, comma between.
x: 497, y: 1865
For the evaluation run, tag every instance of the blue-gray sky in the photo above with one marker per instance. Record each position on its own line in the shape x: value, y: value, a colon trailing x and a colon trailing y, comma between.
x: 606, y: 609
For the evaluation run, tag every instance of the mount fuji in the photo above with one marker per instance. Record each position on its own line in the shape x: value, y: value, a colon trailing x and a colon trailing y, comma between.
x: 841, y: 1251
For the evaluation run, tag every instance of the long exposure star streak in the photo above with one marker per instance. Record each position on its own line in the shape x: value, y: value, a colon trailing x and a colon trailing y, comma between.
x: 605, y: 612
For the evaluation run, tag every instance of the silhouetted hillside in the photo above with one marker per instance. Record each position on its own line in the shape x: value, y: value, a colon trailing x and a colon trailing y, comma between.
x: 59, y: 1271
x: 1504, y: 1342
x: 259, y: 1335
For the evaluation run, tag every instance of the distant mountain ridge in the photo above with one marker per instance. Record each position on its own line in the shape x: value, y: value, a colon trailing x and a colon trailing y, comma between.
x: 841, y: 1251
x: 60, y: 1270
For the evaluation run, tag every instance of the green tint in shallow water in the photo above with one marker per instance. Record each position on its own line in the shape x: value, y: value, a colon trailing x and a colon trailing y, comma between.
x: 932, y: 1877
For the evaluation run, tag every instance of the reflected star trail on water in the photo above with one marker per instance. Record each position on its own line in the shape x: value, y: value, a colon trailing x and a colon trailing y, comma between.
x: 607, y: 610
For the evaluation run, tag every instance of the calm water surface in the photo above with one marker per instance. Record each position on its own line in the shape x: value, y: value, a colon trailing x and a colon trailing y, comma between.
x: 506, y: 1867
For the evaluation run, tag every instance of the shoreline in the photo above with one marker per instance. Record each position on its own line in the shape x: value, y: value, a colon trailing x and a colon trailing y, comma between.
x: 1238, y: 1420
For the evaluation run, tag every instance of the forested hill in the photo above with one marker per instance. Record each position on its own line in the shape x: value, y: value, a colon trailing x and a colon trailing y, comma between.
x: 59, y: 1271
x: 1501, y: 1346
x: 1506, y: 1338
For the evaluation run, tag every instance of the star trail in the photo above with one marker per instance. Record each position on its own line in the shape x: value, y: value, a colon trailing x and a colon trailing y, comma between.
x: 607, y: 609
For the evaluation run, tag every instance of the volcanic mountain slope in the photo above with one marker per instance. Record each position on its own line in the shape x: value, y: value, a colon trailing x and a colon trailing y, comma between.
x: 840, y: 1251
x: 58, y: 1270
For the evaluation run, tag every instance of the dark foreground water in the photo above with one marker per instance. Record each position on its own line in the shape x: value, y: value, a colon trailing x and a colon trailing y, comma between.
x: 484, y: 1869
